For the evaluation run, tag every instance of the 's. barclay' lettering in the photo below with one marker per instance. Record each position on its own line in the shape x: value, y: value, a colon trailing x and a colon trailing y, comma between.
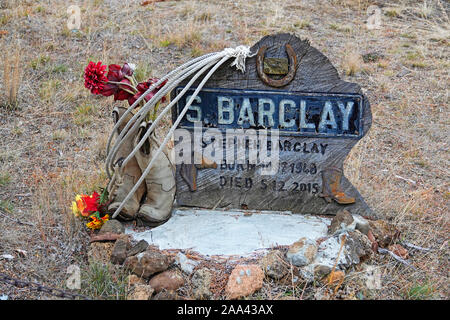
x: 329, y: 114
x: 266, y: 114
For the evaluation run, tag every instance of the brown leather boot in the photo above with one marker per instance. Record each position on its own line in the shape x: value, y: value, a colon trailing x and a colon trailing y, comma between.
x: 124, y: 181
x: 331, y: 187
x: 160, y: 181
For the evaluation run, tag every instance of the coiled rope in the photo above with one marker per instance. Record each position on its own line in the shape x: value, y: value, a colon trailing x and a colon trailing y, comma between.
x: 174, y: 78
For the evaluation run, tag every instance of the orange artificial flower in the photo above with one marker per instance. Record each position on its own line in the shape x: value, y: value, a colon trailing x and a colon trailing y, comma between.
x: 85, y: 205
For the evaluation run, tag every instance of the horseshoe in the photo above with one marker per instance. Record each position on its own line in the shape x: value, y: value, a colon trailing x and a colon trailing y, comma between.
x: 277, y: 82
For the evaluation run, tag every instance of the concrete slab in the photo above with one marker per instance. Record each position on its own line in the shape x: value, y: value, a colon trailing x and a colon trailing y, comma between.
x: 231, y: 233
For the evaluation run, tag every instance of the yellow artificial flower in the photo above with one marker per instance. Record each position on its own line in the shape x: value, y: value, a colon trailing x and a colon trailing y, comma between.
x: 96, y: 223
x: 75, y: 209
x: 80, y: 203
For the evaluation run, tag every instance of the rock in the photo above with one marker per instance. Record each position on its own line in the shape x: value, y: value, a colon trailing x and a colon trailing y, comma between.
x: 274, y: 266
x: 141, y: 292
x: 327, y: 254
x: 361, y: 224
x: 112, y: 226
x: 399, y: 251
x: 168, y: 280
x: 201, y: 284
x: 384, y: 232
x: 133, y: 280
x: 244, y: 280
x: 321, y: 239
x: 340, y: 221
x: 321, y: 271
x: 302, y: 252
x: 147, y: 263
x: 139, y: 247
x: 186, y: 265
x: 344, y: 221
x: 335, y: 278
x: 358, y: 247
x: 119, y: 252
x: 100, y: 252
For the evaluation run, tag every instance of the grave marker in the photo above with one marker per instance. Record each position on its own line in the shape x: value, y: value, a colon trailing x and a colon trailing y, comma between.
x: 290, y: 87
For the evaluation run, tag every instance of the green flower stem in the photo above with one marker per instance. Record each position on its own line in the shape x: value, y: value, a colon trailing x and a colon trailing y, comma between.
x: 149, y: 116
x: 126, y: 84
x: 153, y: 117
x: 132, y: 80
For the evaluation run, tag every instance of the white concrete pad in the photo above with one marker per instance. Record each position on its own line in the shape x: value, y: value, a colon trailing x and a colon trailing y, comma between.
x: 224, y: 233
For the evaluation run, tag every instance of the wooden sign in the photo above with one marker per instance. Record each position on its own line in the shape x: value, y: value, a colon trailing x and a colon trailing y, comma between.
x: 290, y: 102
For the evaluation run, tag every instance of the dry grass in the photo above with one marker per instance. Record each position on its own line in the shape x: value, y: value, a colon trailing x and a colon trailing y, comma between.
x: 352, y: 62
x: 53, y: 142
x: 11, y: 75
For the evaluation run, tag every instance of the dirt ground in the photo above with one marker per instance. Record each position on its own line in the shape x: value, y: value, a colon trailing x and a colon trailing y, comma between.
x: 53, y: 139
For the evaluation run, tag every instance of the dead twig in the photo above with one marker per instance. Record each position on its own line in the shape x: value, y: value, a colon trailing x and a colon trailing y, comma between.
x: 3, y: 214
x: 396, y: 257
x: 413, y: 246
x: 108, y: 236
x: 406, y: 179
x: 303, y: 291
x: 344, y: 237
x: 145, y: 3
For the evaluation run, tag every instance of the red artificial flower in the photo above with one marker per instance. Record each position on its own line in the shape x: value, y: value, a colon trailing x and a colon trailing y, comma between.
x: 117, y: 73
x: 117, y: 90
x: 94, y: 77
x: 143, y: 86
x: 91, y: 202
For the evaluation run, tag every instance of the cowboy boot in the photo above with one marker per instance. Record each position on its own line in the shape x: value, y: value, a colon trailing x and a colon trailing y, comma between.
x: 160, y: 181
x: 331, y: 187
x: 125, y: 178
